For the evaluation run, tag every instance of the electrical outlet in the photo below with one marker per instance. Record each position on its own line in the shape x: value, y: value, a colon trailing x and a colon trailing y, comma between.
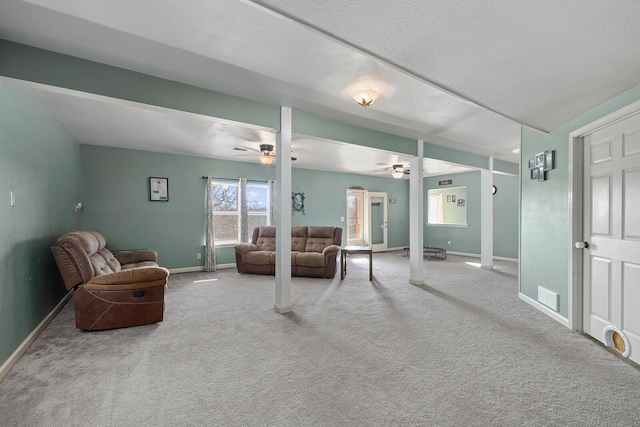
x: 198, y: 255
x: 341, y: 219
x: 449, y: 242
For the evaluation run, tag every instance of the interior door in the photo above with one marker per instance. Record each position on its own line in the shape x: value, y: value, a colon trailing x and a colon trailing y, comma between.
x: 378, y: 221
x: 611, y: 259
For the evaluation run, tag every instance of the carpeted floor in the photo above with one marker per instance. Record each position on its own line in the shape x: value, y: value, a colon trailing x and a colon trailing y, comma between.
x: 462, y: 350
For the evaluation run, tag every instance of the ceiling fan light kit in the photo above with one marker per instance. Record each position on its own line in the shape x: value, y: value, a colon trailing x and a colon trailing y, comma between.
x: 266, y: 154
x: 266, y: 159
x: 398, y: 171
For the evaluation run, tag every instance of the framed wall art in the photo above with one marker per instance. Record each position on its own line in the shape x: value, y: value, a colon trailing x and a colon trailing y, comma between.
x: 158, y: 189
x: 534, y: 174
x: 549, y: 160
x: 297, y: 203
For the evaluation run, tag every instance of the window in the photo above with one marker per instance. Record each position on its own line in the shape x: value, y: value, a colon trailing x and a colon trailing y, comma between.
x: 227, y: 208
x: 447, y: 206
x: 257, y: 206
x: 436, y: 208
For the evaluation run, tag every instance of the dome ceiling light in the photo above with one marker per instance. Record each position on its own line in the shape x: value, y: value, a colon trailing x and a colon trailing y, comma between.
x: 365, y: 96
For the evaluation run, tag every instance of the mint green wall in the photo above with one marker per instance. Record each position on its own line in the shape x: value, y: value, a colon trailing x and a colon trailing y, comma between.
x: 505, y: 215
x: 452, y: 212
x: 545, y: 241
x: 467, y: 239
x: 115, y: 200
x: 40, y: 162
x: 326, y: 201
x: 463, y: 239
x: 309, y: 124
x: 42, y: 66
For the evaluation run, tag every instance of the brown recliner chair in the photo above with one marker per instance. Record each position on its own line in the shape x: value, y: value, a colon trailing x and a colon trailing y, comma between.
x: 110, y: 291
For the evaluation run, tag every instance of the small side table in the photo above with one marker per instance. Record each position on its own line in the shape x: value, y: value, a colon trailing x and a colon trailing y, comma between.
x: 345, y: 250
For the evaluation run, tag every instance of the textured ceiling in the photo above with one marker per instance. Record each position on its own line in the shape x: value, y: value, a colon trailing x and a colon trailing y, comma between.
x: 541, y: 63
x: 463, y: 74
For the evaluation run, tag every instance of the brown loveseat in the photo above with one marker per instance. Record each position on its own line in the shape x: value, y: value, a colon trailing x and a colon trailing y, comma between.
x: 313, y: 251
x: 110, y: 291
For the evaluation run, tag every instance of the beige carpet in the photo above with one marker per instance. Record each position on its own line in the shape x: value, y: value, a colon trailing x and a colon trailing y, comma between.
x: 461, y: 351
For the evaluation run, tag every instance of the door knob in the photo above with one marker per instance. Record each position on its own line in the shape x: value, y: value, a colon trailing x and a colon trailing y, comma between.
x: 582, y: 245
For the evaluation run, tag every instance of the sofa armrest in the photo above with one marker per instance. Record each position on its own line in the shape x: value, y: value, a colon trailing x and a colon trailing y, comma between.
x: 134, y: 278
x: 331, y: 250
x: 243, y: 248
x: 134, y: 256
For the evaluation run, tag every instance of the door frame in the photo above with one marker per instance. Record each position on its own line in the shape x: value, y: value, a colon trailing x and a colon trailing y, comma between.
x: 576, y: 187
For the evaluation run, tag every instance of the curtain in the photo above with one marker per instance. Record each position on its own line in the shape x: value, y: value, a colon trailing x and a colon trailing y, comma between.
x: 210, y: 248
x: 271, y: 185
x: 244, y: 211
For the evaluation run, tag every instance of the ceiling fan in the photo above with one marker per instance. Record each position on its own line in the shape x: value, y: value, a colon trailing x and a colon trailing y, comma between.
x: 266, y: 153
x: 396, y: 170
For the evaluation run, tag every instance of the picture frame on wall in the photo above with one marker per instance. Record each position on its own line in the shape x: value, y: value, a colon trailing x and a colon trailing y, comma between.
x: 453, y: 198
x: 297, y: 202
x: 448, y: 197
x: 534, y: 174
x: 158, y: 189
x: 541, y: 173
x: 539, y: 160
x: 549, y: 160
x: 460, y: 202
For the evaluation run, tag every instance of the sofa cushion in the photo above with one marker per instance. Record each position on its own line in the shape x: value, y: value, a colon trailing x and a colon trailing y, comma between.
x: 266, y: 239
x: 310, y: 259
x: 317, y: 244
x: 298, y: 238
x: 87, y: 240
x: 319, y: 238
x: 104, y: 262
x: 138, y: 265
x: 258, y: 257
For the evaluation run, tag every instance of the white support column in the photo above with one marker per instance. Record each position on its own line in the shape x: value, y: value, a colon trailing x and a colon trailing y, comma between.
x: 416, y: 217
x: 486, y: 217
x: 283, y: 213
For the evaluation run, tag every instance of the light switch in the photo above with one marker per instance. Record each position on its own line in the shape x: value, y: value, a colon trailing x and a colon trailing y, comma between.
x: 12, y: 195
x: 341, y: 219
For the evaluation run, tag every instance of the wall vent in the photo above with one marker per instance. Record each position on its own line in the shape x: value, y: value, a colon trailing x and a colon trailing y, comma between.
x: 548, y: 298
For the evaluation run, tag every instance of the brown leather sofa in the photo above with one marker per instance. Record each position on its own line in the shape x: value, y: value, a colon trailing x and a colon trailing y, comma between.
x: 313, y: 251
x: 110, y: 291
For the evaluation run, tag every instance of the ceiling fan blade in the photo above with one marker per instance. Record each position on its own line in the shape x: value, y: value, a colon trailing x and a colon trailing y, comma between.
x: 245, y: 148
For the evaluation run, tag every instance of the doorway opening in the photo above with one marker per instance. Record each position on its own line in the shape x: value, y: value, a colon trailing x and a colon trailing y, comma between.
x: 367, y: 219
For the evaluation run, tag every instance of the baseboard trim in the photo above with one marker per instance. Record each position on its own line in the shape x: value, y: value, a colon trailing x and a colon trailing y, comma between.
x: 8, y: 364
x: 200, y: 268
x: 554, y: 315
x: 498, y: 258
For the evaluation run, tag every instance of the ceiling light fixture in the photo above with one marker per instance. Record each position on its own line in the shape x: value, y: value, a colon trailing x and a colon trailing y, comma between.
x: 398, y: 171
x: 365, y: 96
x: 266, y: 159
x: 266, y: 154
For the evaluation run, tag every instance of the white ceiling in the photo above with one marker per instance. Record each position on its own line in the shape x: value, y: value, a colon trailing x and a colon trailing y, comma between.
x: 463, y: 74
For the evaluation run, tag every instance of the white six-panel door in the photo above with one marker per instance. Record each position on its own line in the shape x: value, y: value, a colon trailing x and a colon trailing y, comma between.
x: 611, y: 276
